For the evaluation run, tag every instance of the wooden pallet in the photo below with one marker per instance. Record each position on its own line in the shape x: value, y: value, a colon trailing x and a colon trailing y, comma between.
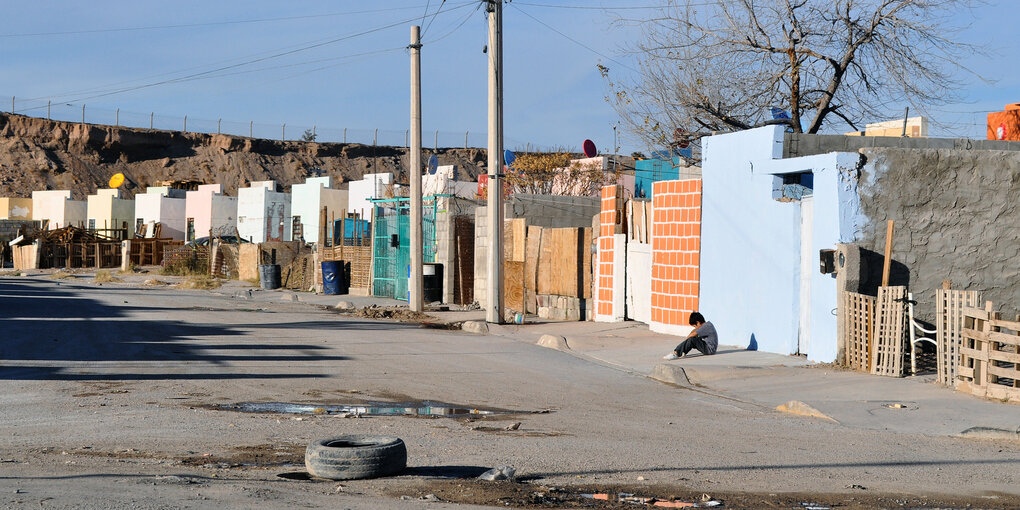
x: 989, y: 356
x: 856, y: 321
x: 949, y: 305
x: 890, y: 331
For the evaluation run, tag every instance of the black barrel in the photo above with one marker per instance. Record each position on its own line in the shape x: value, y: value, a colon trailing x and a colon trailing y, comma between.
x: 269, y: 276
x: 432, y: 284
x: 331, y: 277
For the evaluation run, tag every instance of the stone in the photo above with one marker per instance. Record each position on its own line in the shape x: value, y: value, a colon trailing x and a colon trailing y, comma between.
x: 344, y: 305
x: 479, y: 327
x: 554, y: 342
x: 499, y: 473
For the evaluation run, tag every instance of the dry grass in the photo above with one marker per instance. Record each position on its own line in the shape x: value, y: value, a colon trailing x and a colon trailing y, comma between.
x: 183, y: 267
x: 132, y: 268
x: 202, y: 282
x: 154, y: 282
x: 10, y: 273
x: 61, y: 275
x: 104, y: 276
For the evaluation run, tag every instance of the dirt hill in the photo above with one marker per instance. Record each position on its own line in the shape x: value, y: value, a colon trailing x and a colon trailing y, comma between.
x: 39, y: 154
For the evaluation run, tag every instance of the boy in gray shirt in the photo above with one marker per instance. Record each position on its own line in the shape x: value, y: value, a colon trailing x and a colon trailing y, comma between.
x: 703, y: 338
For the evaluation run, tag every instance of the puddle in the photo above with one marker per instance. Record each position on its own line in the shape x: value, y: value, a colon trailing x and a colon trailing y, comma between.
x: 295, y: 475
x: 387, y: 409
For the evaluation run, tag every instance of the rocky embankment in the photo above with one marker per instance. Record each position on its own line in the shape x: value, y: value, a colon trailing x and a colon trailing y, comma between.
x: 39, y: 154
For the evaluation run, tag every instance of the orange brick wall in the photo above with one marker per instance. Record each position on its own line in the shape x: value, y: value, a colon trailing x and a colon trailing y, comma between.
x: 609, y: 219
x: 676, y: 250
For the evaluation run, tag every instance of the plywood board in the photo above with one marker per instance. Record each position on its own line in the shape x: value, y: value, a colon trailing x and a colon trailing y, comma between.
x: 532, y: 246
x: 513, y: 285
x: 586, y: 266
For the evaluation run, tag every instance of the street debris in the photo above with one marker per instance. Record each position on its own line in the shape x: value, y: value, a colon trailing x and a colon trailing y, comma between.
x: 626, y: 497
x: 498, y: 473
x: 477, y: 327
x: 513, y: 426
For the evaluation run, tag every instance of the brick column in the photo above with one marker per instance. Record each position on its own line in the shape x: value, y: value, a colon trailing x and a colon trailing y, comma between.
x: 609, y: 273
x: 676, y: 254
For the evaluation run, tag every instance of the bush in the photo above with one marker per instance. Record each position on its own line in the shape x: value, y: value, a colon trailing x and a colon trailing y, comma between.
x: 104, y: 276
x: 183, y: 267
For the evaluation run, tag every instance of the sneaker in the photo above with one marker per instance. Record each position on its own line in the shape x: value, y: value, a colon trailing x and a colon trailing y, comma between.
x: 671, y: 356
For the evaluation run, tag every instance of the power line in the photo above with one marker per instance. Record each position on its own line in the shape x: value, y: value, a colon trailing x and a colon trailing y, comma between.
x: 426, y: 27
x: 462, y: 22
x: 593, y: 8
x: 207, y: 24
x: 247, y: 62
x: 571, y: 39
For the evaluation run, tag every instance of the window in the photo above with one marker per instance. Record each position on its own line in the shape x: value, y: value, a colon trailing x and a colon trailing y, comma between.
x: 792, y: 187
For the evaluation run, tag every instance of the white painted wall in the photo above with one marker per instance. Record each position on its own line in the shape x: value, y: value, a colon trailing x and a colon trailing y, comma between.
x: 57, y: 207
x: 639, y: 281
x: 444, y: 182
x: 370, y: 186
x: 211, y: 210
x: 108, y: 210
x: 309, y: 198
x: 263, y: 214
x: 154, y: 207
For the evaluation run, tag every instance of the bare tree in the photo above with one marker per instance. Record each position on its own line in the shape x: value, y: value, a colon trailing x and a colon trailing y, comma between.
x: 555, y: 173
x: 711, y: 65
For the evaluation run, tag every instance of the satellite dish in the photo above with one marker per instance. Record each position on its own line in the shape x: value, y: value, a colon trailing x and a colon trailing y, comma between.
x: 116, y: 180
x: 433, y: 164
x: 509, y: 157
x: 589, y: 149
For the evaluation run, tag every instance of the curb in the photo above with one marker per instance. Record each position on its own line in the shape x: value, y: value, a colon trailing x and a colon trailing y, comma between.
x: 801, y: 409
x: 990, y: 433
x: 670, y: 374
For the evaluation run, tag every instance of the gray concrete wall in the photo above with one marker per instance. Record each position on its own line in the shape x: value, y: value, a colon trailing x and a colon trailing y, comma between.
x: 803, y: 144
x: 9, y: 228
x: 449, y: 209
x: 957, y: 217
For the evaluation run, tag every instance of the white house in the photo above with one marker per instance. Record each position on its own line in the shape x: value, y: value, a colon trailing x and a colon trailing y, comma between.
x: 308, y: 199
x: 163, y: 205
x: 263, y: 214
x: 58, y: 209
x: 207, y: 210
x: 370, y: 186
x: 107, y: 210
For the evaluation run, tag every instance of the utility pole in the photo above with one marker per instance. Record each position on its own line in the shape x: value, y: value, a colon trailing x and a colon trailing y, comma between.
x: 415, y: 286
x: 494, y: 209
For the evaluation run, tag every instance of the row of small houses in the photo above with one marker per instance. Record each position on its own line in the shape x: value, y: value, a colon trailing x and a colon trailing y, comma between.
x: 769, y: 240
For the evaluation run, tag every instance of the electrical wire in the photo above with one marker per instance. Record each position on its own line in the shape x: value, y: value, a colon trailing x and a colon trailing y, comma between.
x: 462, y: 22
x: 593, y: 8
x: 244, y: 63
x: 571, y: 39
x: 208, y: 24
x: 426, y: 27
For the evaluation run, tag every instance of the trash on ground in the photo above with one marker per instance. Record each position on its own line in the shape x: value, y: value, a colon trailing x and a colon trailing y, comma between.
x: 498, y: 473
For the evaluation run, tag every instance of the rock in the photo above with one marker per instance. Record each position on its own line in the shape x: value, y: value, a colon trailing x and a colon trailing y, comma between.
x: 554, y: 342
x: 290, y: 297
x: 344, y: 305
x: 513, y: 426
x: 479, y: 327
x: 498, y: 473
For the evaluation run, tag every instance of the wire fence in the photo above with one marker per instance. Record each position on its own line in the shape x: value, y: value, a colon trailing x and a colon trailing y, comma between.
x: 85, y: 114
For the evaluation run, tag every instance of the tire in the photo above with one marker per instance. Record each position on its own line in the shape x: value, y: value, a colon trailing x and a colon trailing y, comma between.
x: 353, y: 457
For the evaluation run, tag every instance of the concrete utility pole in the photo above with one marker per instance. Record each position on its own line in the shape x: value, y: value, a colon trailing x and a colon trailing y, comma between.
x: 415, y: 301
x: 494, y: 209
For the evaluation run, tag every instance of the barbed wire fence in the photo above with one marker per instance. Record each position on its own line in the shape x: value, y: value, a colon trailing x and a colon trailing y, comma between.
x: 85, y: 114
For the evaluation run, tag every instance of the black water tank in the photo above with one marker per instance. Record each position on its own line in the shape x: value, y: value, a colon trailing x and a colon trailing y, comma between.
x: 269, y: 276
x: 432, y: 286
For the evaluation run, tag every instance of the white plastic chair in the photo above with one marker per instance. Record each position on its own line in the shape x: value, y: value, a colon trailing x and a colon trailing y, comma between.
x: 916, y: 337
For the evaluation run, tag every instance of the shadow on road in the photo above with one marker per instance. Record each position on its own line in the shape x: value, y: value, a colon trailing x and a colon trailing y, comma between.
x: 60, y: 332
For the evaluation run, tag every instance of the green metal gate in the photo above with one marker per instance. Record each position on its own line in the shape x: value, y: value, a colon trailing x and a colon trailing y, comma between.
x: 391, y: 245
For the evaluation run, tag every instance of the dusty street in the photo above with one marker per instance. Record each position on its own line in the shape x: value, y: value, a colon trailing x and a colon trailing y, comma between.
x: 121, y: 397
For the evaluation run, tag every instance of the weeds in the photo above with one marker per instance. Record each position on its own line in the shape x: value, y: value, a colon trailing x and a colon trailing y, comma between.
x: 183, y: 267
x: 201, y: 282
x: 61, y: 275
x: 104, y: 276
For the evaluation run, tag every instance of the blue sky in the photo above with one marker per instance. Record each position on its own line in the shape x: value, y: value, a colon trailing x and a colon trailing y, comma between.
x: 553, y: 91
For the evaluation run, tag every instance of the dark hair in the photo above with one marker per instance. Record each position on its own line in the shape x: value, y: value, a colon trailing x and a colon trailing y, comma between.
x: 696, y: 318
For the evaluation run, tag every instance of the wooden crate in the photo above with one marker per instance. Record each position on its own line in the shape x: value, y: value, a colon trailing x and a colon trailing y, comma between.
x: 949, y: 305
x: 989, y: 355
x: 856, y: 325
x: 890, y: 331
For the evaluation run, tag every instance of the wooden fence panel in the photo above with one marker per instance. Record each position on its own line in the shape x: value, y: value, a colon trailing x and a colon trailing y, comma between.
x: 949, y: 305
x: 989, y: 355
x: 890, y: 328
x: 856, y: 320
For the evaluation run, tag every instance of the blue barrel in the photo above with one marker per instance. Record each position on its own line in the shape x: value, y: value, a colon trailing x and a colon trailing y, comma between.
x: 331, y: 277
x: 269, y: 276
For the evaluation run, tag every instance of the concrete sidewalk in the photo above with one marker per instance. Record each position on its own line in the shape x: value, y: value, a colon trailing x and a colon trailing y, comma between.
x: 911, y: 405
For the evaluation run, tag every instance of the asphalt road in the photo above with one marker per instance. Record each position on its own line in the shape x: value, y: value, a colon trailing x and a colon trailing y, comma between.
x: 110, y: 397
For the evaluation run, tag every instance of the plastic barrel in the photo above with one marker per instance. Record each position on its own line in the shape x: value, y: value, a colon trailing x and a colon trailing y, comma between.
x: 269, y: 276
x: 432, y: 284
x: 331, y: 277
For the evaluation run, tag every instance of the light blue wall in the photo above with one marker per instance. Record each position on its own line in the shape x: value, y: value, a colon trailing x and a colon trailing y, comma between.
x: 751, y: 243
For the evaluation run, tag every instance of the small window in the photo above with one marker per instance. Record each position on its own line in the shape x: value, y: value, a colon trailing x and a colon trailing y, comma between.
x: 792, y: 187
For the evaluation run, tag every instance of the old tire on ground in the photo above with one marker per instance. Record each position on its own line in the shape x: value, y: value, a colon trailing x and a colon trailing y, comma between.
x: 354, y: 457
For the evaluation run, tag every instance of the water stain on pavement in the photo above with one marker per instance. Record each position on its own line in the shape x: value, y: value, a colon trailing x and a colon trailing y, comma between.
x: 424, y: 408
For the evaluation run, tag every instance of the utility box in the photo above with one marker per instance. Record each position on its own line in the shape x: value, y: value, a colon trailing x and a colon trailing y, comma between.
x: 1005, y: 125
